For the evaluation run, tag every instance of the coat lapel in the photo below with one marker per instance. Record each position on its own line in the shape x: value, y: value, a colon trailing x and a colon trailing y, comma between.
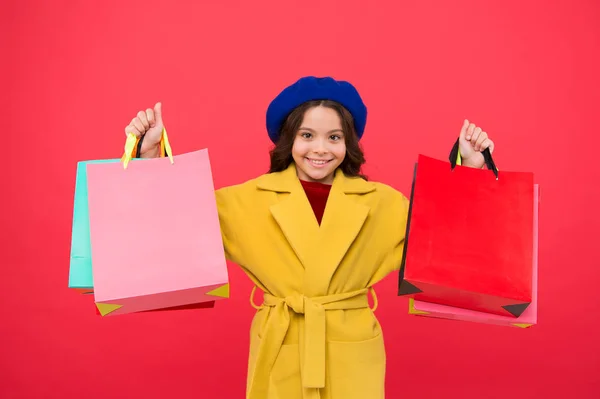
x: 298, y: 223
x: 319, y: 248
x: 342, y: 222
x: 293, y: 213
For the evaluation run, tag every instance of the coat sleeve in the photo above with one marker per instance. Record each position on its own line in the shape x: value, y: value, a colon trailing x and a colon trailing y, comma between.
x: 232, y: 205
x: 393, y: 220
x: 226, y: 207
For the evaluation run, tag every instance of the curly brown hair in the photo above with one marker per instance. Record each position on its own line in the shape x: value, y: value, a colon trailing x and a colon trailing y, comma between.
x: 281, y: 154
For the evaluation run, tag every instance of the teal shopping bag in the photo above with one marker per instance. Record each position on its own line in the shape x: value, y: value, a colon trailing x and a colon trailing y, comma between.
x: 80, y: 269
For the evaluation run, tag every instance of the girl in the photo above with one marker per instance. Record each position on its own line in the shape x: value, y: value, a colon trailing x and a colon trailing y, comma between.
x: 315, y: 236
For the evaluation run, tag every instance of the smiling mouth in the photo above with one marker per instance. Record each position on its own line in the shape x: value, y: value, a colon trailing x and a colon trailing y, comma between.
x: 318, y: 162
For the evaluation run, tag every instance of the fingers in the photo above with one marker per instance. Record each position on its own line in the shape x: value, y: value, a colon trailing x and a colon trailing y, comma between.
x: 487, y: 143
x: 136, y: 127
x: 470, y: 131
x: 150, y: 117
x: 473, y: 132
x: 478, y: 139
x: 138, y: 124
x: 463, y: 130
x: 143, y: 119
x: 133, y: 128
x: 158, y: 113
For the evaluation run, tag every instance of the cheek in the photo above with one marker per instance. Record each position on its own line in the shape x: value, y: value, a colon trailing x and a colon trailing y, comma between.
x: 298, y: 149
x: 340, y: 152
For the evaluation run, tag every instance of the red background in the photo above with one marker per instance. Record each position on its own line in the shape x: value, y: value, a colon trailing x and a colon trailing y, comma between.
x: 74, y: 73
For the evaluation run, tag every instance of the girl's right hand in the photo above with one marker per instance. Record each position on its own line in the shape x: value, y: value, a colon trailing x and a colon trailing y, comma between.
x: 148, y: 124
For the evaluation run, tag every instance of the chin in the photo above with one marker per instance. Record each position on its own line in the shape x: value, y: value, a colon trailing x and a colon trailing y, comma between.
x: 319, y: 176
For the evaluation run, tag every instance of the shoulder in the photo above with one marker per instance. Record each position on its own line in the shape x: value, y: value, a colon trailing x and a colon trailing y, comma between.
x: 236, y: 190
x: 386, y: 192
x: 241, y: 192
x: 381, y: 197
x: 387, y: 199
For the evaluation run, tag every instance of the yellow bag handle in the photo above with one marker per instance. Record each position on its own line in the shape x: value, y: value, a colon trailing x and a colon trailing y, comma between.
x: 132, y: 142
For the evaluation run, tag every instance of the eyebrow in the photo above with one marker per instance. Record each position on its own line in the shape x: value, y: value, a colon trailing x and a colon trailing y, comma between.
x: 329, y: 132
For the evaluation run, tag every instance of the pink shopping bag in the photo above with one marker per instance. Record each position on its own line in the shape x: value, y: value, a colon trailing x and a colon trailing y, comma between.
x: 155, y: 234
x: 527, y: 319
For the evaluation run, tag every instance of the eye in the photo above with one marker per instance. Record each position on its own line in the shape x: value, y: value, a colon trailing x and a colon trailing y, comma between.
x: 335, y: 137
x: 306, y: 135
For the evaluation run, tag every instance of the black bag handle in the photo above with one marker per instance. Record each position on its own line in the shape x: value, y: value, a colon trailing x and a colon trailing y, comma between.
x: 138, y: 150
x: 487, y: 156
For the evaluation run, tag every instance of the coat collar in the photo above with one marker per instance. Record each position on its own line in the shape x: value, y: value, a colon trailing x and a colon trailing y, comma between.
x: 320, y: 249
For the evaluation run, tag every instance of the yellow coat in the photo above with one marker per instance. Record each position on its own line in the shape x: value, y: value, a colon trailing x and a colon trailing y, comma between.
x: 315, y: 335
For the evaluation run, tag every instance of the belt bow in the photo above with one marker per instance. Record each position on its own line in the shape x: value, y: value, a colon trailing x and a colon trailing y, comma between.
x: 312, y: 339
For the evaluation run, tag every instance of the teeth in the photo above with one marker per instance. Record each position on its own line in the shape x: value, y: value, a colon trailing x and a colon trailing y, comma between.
x: 317, y: 162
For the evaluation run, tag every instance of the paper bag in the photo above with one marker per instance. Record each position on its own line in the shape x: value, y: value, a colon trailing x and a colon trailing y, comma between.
x: 155, y: 234
x: 80, y: 268
x: 527, y: 319
x: 469, y: 242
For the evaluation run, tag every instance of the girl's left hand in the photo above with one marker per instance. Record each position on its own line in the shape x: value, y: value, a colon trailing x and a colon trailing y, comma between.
x: 472, y: 141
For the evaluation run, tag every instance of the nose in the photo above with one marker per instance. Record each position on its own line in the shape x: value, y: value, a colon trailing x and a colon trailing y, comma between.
x: 320, y: 146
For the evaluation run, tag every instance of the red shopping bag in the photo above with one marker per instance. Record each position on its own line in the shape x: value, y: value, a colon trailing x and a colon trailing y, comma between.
x: 469, y: 242
x: 527, y: 319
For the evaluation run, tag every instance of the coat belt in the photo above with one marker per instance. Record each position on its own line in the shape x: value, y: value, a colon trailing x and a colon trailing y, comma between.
x: 312, y: 339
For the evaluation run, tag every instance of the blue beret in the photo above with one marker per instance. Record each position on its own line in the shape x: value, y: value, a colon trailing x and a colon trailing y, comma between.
x: 312, y: 88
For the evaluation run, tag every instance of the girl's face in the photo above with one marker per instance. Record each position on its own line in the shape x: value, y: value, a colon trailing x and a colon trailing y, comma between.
x: 319, y: 146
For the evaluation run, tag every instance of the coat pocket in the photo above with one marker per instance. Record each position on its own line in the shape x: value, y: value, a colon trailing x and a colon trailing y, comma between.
x: 356, y: 369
